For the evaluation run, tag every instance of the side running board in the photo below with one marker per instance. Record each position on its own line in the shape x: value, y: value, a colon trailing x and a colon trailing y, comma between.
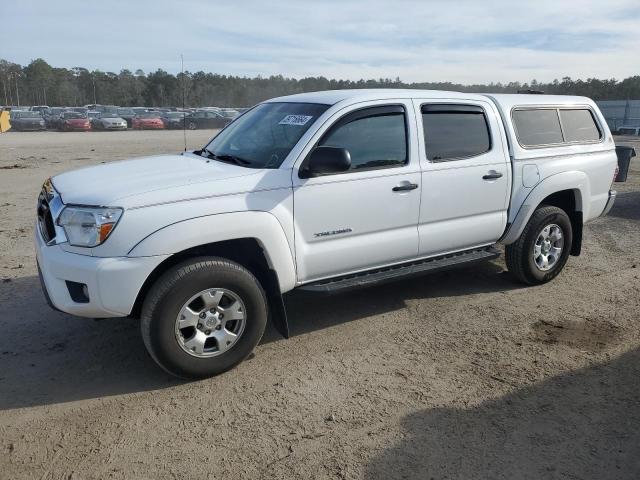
x: 397, y: 272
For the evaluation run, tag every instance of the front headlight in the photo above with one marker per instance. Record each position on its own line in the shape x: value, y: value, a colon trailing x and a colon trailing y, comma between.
x: 88, y: 226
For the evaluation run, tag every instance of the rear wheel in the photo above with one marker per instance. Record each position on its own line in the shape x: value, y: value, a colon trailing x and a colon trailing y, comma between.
x: 192, y: 125
x: 542, y: 250
x: 203, y: 317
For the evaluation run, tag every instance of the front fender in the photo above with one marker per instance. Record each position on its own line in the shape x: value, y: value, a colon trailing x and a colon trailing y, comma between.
x: 194, y: 232
x: 572, y: 180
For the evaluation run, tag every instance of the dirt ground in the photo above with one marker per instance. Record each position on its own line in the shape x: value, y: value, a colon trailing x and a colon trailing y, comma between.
x: 463, y: 374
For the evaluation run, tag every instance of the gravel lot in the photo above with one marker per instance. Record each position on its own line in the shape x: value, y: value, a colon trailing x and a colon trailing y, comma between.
x: 458, y: 375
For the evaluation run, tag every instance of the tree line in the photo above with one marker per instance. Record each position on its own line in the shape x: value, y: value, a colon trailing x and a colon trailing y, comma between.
x: 41, y: 84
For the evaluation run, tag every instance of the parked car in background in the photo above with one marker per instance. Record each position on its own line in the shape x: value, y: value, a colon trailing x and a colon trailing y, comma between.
x: 23, y: 120
x: 39, y: 108
x: 73, y: 121
x: 148, y: 121
x: 629, y: 130
x: 206, y: 119
x: 229, y: 113
x: 52, y: 116
x: 173, y: 119
x: 108, y: 121
x: 113, y: 109
x: 139, y: 110
x: 127, y: 114
x: 96, y: 107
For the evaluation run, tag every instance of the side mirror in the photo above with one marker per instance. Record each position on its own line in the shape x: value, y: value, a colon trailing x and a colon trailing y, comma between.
x: 325, y: 160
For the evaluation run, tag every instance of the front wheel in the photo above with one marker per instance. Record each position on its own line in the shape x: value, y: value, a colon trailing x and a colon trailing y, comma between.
x: 192, y: 125
x: 203, y: 317
x: 542, y: 250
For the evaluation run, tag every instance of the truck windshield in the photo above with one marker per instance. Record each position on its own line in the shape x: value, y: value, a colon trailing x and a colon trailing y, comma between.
x: 265, y: 135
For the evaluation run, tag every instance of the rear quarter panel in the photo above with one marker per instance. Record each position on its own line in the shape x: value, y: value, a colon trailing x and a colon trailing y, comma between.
x: 593, y: 163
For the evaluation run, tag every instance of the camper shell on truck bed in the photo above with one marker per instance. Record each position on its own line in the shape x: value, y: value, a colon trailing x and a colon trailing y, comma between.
x: 567, y: 136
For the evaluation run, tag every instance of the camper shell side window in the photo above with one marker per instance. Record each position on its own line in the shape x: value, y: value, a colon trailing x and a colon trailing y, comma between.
x: 546, y: 126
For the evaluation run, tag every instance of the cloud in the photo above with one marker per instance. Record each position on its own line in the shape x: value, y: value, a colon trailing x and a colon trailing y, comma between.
x: 464, y: 41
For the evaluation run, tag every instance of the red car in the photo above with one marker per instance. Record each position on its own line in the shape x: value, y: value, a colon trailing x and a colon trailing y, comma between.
x: 147, y: 121
x: 73, y: 121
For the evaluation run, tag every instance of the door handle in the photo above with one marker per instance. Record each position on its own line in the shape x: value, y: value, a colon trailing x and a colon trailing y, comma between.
x: 405, y: 186
x: 492, y: 175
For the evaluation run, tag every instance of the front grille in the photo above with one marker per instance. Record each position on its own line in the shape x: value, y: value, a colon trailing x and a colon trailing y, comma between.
x: 45, y: 219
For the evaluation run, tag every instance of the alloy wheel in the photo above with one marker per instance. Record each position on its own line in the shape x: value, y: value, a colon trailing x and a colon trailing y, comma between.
x: 547, y: 249
x: 210, y: 322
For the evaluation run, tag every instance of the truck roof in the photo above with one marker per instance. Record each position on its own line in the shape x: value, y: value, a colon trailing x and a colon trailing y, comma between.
x: 506, y: 101
x: 331, y: 97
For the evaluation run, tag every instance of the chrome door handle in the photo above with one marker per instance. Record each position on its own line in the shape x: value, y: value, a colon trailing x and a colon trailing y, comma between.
x: 492, y: 175
x: 405, y: 186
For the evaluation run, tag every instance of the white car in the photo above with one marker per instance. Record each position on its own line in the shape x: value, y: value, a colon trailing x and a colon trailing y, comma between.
x: 320, y: 191
x: 107, y: 121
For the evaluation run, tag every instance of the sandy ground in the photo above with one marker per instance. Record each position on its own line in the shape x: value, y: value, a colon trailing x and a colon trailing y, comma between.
x: 458, y: 375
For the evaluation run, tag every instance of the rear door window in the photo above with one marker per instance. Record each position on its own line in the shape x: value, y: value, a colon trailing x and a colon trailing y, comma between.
x: 579, y: 126
x: 537, y: 127
x: 453, y: 132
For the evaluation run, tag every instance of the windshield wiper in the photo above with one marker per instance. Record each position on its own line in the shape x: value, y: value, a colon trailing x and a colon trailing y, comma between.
x: 226, y: 158
x: 232, y: 159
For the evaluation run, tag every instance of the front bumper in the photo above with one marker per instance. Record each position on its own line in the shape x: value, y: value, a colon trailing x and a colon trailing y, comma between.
x: 112, y: 284
x: 610, y: 202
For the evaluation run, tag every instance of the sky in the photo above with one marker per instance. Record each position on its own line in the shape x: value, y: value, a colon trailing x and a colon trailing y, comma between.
x: 459, y: 41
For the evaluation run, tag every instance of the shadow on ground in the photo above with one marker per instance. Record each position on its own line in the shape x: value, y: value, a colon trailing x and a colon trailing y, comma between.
x: 627, y: 206
x: 315, y: 311
x: 49, y: 357
x: 580, y: 425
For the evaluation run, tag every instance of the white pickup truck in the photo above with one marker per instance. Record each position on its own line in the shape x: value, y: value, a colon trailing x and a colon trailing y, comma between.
x: 320, y: 191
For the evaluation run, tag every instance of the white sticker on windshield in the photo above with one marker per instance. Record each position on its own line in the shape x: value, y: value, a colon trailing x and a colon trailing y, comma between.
x: 295, y: 119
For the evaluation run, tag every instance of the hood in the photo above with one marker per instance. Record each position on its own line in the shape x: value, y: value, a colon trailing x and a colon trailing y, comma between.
x: 166, y: 177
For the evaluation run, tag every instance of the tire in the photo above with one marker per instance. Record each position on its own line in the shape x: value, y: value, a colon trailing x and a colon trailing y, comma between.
x: 519, y: 255
x: 192, y: 126
x: 168, y: 298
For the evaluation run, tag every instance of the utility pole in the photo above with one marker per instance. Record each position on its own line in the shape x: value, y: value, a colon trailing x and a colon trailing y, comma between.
x: 4, y: 88
x: 17, y: 90
x: 93, y: 79
x: 10, y: 92
x: 184, y: 120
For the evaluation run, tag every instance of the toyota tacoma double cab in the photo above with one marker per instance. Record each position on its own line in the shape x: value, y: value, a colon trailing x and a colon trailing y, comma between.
x: 323, y: 191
